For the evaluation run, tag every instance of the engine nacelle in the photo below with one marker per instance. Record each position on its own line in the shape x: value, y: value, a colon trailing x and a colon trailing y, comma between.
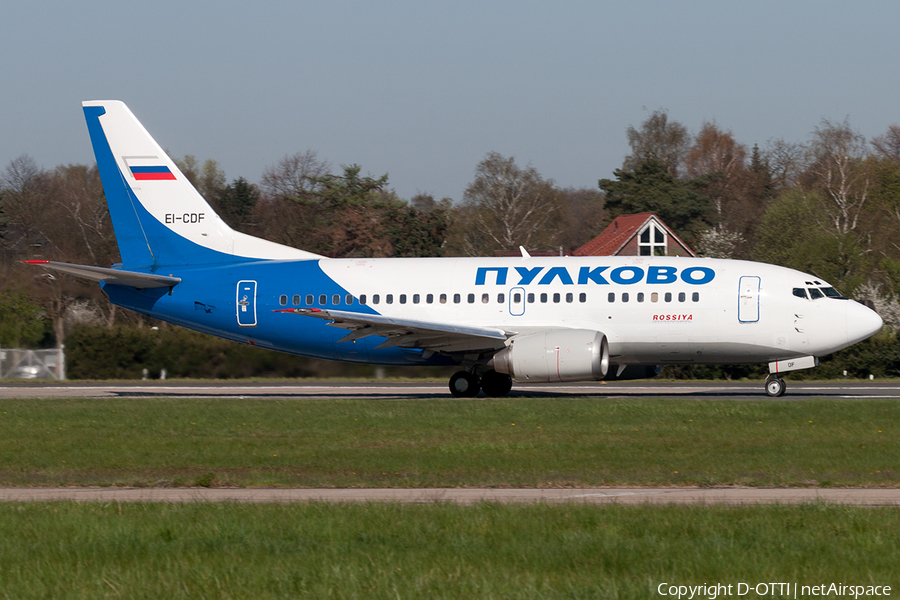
x: 553, y: 356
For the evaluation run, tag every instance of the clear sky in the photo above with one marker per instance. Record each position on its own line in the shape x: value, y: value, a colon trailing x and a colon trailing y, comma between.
x: 423, y: 90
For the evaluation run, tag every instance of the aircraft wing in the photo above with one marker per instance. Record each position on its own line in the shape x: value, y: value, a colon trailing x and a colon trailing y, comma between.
x: 408, y: 333
x: 110, y: 276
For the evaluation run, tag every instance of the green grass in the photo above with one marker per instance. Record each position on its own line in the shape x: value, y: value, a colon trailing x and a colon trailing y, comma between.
x: 372, y: 551
x: 531, y: 442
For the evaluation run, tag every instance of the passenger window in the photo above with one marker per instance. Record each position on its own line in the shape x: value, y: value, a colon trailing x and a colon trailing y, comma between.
x: 800, y: 293
x: 544, y: 298
x: 485, y: 298
x: 471, y: 298
x: 429, y: 299
x: 336, y: 299
x: 416, y: 298
x: 348, y: 300
x: 501, y: 298
x: 296, y: 299
x: 443, y: 298
x: 640, y: 297
x: 402, y: 298
x: 556, y: 298
x: 282, y: 300
x: 668, y: 296
x: 376, y: 298
x: 654, y: 297
x: 456, y: 298
x: 531, y: 298
x: 682, y: 296
x: 611, y: 297
x: 815, y: 294
x: 570, y: 297
x: 389, y: 299
x: 517, y: 298
x: 695, y: 297
x: 323, y: 300
x: 624, y: 296
x: 309, y: 299
x: 582, y: 297
x: 362, y: 299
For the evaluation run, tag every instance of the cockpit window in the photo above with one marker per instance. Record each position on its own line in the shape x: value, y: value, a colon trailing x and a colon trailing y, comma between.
x: 815, y: 294
x: 831, y: 292
x: 800, y: 293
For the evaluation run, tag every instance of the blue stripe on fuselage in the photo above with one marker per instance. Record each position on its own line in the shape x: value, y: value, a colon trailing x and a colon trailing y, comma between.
x: 205, y: 300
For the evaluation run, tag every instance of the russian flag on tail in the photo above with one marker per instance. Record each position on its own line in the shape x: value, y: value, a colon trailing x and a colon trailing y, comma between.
x: 155, y: 173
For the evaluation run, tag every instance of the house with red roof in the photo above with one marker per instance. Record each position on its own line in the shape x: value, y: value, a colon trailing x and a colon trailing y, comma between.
x: 643, y: 234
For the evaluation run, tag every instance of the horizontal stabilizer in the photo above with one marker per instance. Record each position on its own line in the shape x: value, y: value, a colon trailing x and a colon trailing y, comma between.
x: 109, y: 276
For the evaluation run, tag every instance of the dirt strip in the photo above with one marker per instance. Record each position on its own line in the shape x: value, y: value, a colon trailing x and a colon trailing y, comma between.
x: 728, y: 496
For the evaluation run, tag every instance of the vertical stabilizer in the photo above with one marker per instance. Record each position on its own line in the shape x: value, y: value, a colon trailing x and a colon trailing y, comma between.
x: 159, y: 217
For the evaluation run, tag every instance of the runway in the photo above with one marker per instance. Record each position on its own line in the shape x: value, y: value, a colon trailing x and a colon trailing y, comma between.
x: 413, y: 390
x: 733, y: 496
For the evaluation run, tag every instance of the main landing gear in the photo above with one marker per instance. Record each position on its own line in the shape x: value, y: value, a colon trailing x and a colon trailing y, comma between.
x: 466, y: 384
x: 775, y: 386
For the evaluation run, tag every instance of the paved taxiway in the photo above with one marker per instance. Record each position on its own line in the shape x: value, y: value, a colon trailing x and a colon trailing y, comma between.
x: 394, y: 390
x: 729, y: 496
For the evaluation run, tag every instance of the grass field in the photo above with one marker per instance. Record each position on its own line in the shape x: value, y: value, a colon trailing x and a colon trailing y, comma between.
x: 65, y: 550
x: 528, y: 442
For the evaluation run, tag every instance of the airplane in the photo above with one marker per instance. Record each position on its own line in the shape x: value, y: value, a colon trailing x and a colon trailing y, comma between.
x: 500, y: 320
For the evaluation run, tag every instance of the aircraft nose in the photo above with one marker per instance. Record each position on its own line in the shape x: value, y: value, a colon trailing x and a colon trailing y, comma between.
x: 862, y: 322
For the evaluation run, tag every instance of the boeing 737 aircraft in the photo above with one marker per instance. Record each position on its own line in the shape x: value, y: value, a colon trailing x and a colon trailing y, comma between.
x: 500, y: 319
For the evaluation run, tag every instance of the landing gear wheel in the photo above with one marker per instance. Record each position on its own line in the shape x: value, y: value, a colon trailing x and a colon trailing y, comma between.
x: 775, y: 387
x: 496, y: 385
x: 464, y: 384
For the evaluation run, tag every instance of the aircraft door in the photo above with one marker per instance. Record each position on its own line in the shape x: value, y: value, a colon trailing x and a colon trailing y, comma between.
x: 517, y: 301
x: 246, y: 303
x: 748, y: 301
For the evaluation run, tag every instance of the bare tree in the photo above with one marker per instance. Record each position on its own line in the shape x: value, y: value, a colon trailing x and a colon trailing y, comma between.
x: 658, y: 140
x: 715, y: 152
x: 294, y: 177
x: 786, y: 161
x: 837, y: 155
x: 506, y: 207
x: 888, y: 145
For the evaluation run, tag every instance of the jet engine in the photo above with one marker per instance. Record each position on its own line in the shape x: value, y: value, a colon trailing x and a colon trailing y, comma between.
x: 556, y: 355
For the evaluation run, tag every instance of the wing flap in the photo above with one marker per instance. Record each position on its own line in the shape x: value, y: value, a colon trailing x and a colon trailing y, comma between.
x: 409, y: 333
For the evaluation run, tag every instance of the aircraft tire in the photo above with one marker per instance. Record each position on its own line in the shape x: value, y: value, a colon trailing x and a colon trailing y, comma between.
x: 464, y: 384
x: 496, y: 385
x: 775, y: 387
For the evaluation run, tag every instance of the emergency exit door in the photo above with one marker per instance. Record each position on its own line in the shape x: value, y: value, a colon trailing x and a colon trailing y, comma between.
x: 246, y: 303
x: 748, y: 302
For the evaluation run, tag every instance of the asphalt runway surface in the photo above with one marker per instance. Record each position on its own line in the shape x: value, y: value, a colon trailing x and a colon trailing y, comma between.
x: 413, y: 390
x: 750, y: 391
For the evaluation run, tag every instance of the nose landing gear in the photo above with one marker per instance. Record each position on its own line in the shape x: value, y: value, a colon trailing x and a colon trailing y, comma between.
x: 775, y: 386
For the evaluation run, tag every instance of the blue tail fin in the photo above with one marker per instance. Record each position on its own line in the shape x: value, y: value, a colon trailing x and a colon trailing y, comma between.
x: 159, y: 217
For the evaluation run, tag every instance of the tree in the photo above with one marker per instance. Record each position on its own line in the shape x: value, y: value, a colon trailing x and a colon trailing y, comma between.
x: 791, y: 235
x: 236, y: 202
x: 837, y: 157
x: 888, y: 145
x: 650, y: 187
x: 716, y: 153
x: 296, y: 176
x: 22, y: 323
x: 659, y: 141
x: 506, y: 207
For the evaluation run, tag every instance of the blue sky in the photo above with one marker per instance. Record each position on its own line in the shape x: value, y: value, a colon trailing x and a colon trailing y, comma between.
x: 423, y: 90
